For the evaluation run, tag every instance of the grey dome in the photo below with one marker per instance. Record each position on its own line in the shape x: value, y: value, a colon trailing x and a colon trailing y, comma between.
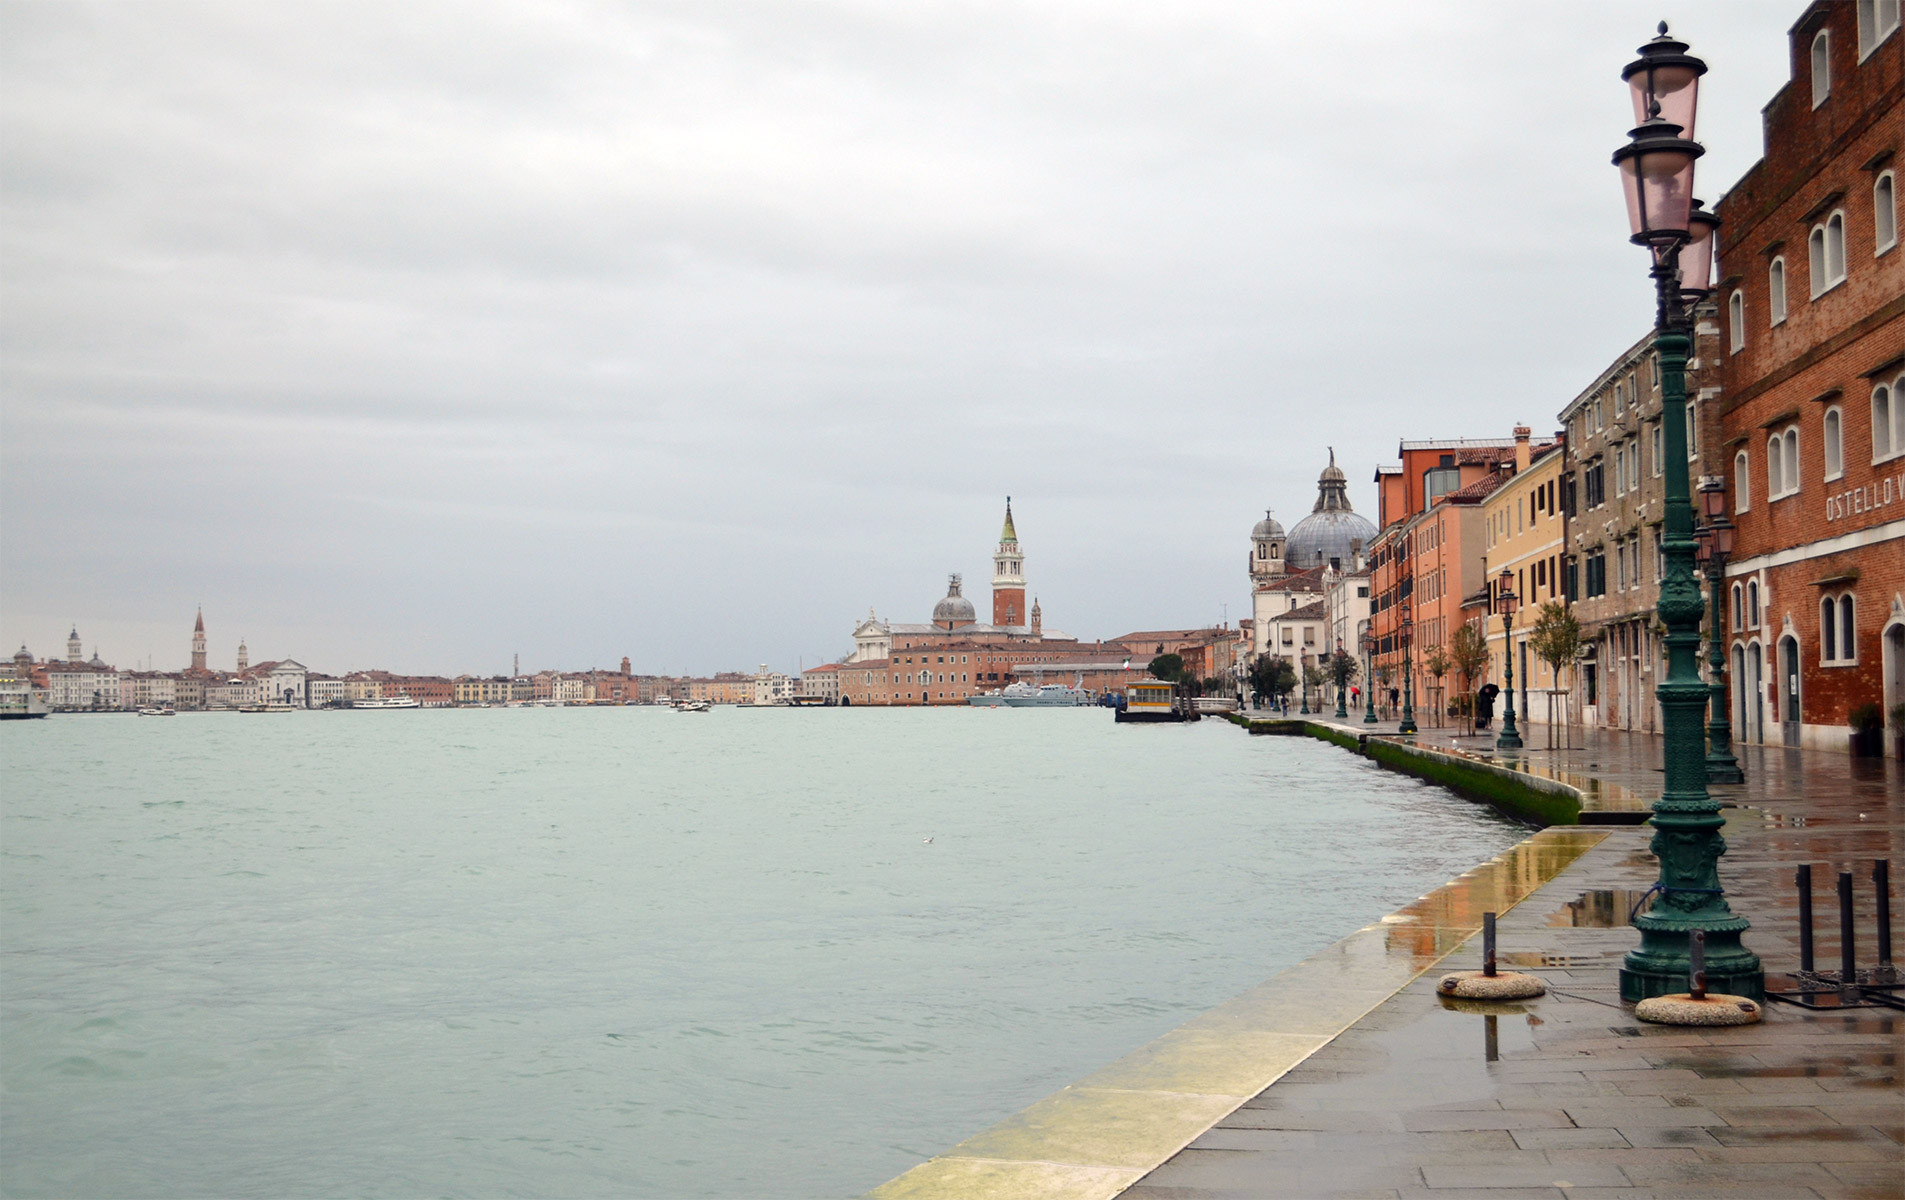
x: 955, y: 608
x: 1332, y: 530
x: 1268, y: 527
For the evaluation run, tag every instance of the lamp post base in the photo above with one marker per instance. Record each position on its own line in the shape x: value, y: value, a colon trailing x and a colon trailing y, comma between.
x: 1509, y: 739
x: 1661, y: 965
x: 1724, y: 769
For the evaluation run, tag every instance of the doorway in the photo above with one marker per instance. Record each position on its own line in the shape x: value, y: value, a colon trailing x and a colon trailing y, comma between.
x: 1789, y: 690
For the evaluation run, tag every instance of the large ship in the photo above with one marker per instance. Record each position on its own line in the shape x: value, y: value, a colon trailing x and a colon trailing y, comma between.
x: 1044, y: 695
x: 385, y: 702
x: 18, y: 700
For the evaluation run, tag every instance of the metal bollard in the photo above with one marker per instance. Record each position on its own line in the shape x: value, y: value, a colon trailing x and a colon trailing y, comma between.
x: 1848, y: 970
x: 1488, y: 944
x: 1803, y: 878
x: 1697, y: 964
x: 1882, y: 880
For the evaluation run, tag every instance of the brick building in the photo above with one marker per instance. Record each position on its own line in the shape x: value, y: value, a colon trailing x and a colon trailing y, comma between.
x: 1524, y: 533
x: 1812, y: 302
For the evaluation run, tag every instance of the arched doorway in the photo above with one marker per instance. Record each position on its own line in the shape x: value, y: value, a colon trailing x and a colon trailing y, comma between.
x: 1755, y: 698
x: 846, y: 702
x: 1789, y: 690
x: 1893, y: 650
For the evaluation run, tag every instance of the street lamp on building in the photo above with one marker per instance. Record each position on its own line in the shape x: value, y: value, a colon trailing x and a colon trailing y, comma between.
x: 1369, y: 678
x: 1405, y: 629
x: 1656, y: 169
x: 1505, y: 602
x: 1716, y: 546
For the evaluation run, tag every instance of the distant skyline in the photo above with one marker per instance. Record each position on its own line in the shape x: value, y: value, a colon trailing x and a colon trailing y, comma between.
x: 421, y: 336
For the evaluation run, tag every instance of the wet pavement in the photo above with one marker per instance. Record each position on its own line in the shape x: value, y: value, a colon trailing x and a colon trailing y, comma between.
x: 1569, y: 1095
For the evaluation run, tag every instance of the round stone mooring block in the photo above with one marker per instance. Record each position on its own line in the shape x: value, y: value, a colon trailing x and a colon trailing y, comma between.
x: 1716, y: 1009
x: 1506, y: 985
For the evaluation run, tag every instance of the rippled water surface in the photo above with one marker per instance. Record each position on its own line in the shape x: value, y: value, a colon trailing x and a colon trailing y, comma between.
x: 633, y: 952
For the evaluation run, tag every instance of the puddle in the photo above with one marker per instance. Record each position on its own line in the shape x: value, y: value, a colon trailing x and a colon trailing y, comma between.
x: 1535, y: 958
x: 1603, y: 908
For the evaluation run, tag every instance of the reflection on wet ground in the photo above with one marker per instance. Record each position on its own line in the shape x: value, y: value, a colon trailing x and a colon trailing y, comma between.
x: 1568, y: 1091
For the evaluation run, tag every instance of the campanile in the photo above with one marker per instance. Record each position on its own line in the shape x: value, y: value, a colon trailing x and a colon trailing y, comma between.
x: 1008, y: 576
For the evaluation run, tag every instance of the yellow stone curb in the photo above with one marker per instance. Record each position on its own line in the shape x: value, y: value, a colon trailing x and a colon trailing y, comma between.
x: 1097, y: 1137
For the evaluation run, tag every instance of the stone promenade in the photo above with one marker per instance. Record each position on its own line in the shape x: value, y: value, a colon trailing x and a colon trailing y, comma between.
x: 1569, y: 1095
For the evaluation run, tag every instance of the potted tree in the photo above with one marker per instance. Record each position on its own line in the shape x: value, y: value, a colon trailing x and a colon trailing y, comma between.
x: 1868, y: 730
x: 1468, y: 654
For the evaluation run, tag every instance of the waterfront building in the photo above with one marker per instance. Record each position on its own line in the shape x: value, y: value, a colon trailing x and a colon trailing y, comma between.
x: 1811, y: 297
x: 772, y: 687
x: 77, y: 685
x: 1206, y: 652
x: 1525, y: 533
x: 149, y: 689
x: 1614, y: 496
x: 281, y: 682
x: 822, y: 683
x: 1425, y: 472
x: 324, y: 691
x: 1346, y: 603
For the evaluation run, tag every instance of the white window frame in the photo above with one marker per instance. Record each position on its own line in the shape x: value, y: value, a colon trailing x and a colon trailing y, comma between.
x: 1884, y: 213
x: 1782, y: 460
x: 1659, y: 447
x: 1891, y: 421
x: 1776, y: 292
x: 1736, y: 322
x: 1693, y: 432
x: 1825, y: 254
x: 1842, y: 610
x: 1820, y: 60
x: 1832, y: 441
x: 1620, y: 399
x: 1742, y: 482
x: 1878, y: 20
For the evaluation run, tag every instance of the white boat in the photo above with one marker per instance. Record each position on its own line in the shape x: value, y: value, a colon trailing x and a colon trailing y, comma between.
x: 152, y: 712
x: 1044, y: 695
x: 694, y: 706
x: 388, y: 702
x: 991, y: 699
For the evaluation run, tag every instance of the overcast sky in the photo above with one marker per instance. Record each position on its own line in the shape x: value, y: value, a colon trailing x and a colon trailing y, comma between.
x: 419, y: 335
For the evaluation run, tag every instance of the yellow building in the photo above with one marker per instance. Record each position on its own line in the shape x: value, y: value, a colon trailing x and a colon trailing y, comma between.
x: 1524, y: 532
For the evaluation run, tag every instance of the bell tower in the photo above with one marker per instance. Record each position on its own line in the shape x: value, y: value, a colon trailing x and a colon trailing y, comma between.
x: 198, y: 642
x: 1008, y: 576
x: 1267, y: 542
x: 74, y: 651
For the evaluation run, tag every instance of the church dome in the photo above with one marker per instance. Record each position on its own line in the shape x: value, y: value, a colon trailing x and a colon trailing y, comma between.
x: 1269, y: 527
x: 1333, y: 530
x: 955, y: 609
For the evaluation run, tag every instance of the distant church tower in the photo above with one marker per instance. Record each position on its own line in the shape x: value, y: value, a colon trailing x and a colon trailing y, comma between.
x: 74, y: 652
x: 1267, y: 544
x: 1008, y: 576
x: 1038, y: 620
x: 198, y: 642
x: 244, y: 657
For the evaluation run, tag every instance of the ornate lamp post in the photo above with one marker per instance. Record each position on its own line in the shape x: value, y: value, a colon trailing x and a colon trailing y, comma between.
x: 1657, y: 175
x: 1505, y: 603
x: 1369, y: 679
x: 1405, y: 628
x: 1339, y: 671
x: 1716, y: 546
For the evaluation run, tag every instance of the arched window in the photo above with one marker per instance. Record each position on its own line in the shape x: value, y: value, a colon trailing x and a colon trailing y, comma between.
x: 1821, y: 68
x: 1739, y: 607
x: 1620, y: 398
x: 1775, y: 468
x: 1884, y: 213
x: 1848, y: 638
x: 1825, y: 254
x: 1791, y: 458
x: 1752, y: 603
x: 1742, y: 483
x: 1736, y: 322
x: 1888, y: 423
x: 1828, y: 634
x: 1776, y: 292
x: 1834, y: 443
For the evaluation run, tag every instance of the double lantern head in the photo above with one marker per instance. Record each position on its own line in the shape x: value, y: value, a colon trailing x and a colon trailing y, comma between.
x: 1657, y: 164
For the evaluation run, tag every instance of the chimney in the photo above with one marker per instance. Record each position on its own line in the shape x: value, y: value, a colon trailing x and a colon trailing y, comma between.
x: 1522, y: 433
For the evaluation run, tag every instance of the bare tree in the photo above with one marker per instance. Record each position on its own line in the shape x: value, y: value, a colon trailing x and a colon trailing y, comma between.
x: 1556, y: 640
x: 1436, y: 661
x: 1468, y: 654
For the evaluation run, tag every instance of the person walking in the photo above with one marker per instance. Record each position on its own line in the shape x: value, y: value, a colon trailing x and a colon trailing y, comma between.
x: 1485, y: 705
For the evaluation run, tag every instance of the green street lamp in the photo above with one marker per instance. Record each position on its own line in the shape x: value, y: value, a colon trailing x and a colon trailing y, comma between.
x: 1716, y: 546
x: 1339, y: 670
x: 1369, y: 679
x: 1505, y: 603
x: 1656, y: 169
x: 1404, y: 629
x: 1303, y: 665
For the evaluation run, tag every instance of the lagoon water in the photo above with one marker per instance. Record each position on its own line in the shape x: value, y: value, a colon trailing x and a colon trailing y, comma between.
x: 631, y: 952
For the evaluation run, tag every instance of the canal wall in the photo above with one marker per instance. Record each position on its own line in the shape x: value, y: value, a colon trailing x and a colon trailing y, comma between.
x: 1518, y: 789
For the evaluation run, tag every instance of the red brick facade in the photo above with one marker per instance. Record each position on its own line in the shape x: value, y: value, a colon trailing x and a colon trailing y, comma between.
x: 1817, y: 490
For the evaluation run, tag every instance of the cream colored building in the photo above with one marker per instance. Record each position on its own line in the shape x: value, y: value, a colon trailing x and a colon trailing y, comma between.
x: 1525, y: 533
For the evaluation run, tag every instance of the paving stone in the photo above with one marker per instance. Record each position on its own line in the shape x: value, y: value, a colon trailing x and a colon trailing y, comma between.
x: 1550, y: 1139
x: 1625, y: 1118
x: 1533, y: 1176
x: 1428, y: 1120
x: 1876, y: 1173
